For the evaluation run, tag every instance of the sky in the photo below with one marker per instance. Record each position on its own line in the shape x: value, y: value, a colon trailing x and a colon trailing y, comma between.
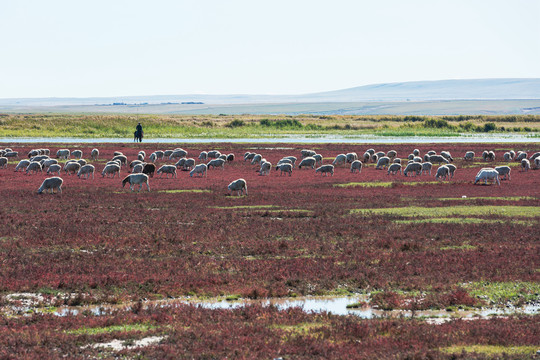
x: 93, y: 48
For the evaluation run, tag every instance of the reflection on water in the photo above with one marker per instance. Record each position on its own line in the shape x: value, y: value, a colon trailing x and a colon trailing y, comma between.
x: 331, y: 305
x: 308, y: 139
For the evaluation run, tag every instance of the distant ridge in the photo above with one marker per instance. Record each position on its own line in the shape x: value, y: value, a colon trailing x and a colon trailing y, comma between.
x: 439, y: 90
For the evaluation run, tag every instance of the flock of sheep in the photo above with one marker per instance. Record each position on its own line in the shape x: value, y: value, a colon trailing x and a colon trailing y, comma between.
x: 39, y: 160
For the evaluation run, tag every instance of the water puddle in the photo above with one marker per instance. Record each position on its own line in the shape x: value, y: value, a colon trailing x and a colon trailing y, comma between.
x: 306, y: 139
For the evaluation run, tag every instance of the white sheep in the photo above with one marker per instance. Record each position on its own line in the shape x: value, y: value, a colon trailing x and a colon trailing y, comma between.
x: 380, y: 154
x: 189, y: 163
x: 51, y: 184
x: 3, y: 162
x: 487, y: 174
x: 199, y: 169
x: 284, y: 161
x: 292, y: 158
x: 122, y: 158
x: 426, y: 167
x: 340, y: 159
x: 416, y: 152
x: 77, y: 154
x: 366, y: 157
x: 239, y: 186
x: 137, y: 169
x: 306, y: 153
x: 370, y: 151
x: 216, y: 163
x: 443, y: 172
x: 351, y: 157
x: 431, y: 152
x: 143, y: 154
x: 537, y: 163
x: 86, y: 170
x: 177, y: 154
x: 521, y: 155
x: 109, y: 169
x: 136, y: 179
x: 48, y: 162
x: 469, y: 156
x: 397, y: 160
x: 285, y: 168
x: 167, y: 153
x: 391, y: 154
x: 23, y: 164
x: 318, y: 158
x: 491, y: 155
x: 410, y: 157
x: 213, y: 154
x: 249, y: 156
x: 534, y: 156
x: 82, y: 162
x: 325, y: 169
x: 525, y: 165
x: 203, y: 156
x: 447, y: 156
x: 308, y: 162
x: 356, y: 165
x: 383, y: 162
x: 452, y: 169
x: 34, y: 167
x: 54, y: 168
x: 116, y: 153
x: 394, y: 169
x: 39, y: 157
x: 503, y: 170
x: 437, y: 159
x: 94, y: 154
x: 265, y: 168
x: 256, y: 159
x: 230, y: 157
x: 72, y: 167
x: 507, y: 156
x: 415, y: 168
x: 11, y: 154
x: 167, y: 169
x: 62, y: 154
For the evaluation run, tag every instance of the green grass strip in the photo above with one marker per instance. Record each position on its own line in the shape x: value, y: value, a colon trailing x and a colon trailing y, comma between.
x: 503, y: 292
x: 441, y: 212
x: 459, y: 220
x: 491, y: 350
x: 110, y: 329
x: 505, y: 198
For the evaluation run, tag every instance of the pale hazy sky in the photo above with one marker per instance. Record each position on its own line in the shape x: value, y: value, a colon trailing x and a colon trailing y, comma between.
x: 75, y: 48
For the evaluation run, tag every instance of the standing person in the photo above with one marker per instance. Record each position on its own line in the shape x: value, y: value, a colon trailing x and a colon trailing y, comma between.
x: 139, y: 132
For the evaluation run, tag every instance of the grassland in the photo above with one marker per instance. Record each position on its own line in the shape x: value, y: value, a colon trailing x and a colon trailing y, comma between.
x: 254, y: 126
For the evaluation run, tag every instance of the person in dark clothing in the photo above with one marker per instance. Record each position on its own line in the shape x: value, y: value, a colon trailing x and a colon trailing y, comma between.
x: 138, y: 135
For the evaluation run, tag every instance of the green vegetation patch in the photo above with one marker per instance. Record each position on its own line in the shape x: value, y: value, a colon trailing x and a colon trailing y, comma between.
x: 110, y: 329
x: 459, y: 220
x: 177, y: 191
x: 491, y: 350
x: 518, y: 293
x: 459, y: 247
x: 441, y: 212
x: 504, y: 198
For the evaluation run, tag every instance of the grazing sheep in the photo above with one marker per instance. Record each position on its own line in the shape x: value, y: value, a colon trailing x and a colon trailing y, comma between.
x: 394, y: 169
x: 426, y: 167
x: 77, y: 154
x: 54, y: 168
x: 33, y: 152
x: 366, y: 157
x: 249, y: 156
x: 308, y: 162
x: 122, y: 158
x: 109, y: 169
x: 414, y: 168
x: 116, y: 153
x: 177, y: 154
x: 356, y: 165
x: 3, y: 162
x: 391, y: 154
x: 284, y: 161
x: 180, y: 163
x: 374, y: 158
x: 223, y: 157
x: 23, y: 164
x: 416, y: 152
x: 292, y: 158
x: 513, y: 153
x: 265, y: 168
x: 153, y: 157
x: 136, y: 179
x: 149, y: 169
x: 318, y: 158
x: 115, y: 162
x: 437, y: 159
x: 426, y: 157
x: 307, y: 153
x: 380, y: 154
x: 216, y: 163
x: 447, y: 156
x: 443, y: 172
x: 62, y: 154
x: 351, y: 157
x: 189, y: 163
x: 383, y: 163
x: 431, y: 152
x: 82, y: 162
x: 140, y: 157
x: 285, y: 168
x: 491, y: 156
x: 199, y: 169
x: 230, y: 158
x: 537, y: 163
x: 534, y: 156
x: 371, y: 152
x: 167, y: 169
x: 156, y: 155
x: 213, y: 154
x: 507, y: 156
x: 452, y: 169
x: 86, y: 170
x: 39, y: 157
x: 134, y: 162
x: 11, y: 154
x: 51, y: 184
x: 167, y: 153
x: 487, y: 174
x: 239, y: 186
x: 503, y: 170
x: 94, y: 154
x: 410, y: 157
x: 137, y: 169
x: 469, y: 156
x: 256, y: 159
x: 325, y: 169
x: 397, y: 161
x: 203, y: 156
x: 143, y: 154
x: 72, y: 167
x: 340, y: 159
x: 525, y: 165
x: 521, y: 155
x: 34, y: 166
